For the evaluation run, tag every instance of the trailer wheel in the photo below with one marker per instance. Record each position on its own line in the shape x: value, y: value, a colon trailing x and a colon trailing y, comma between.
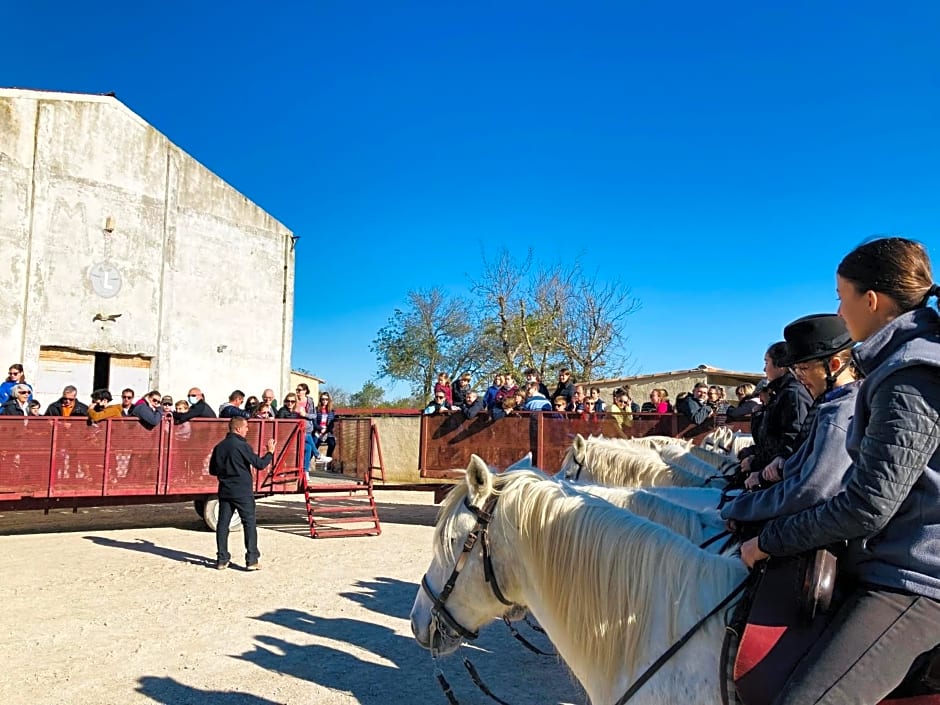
x: 211, y: 516
x: 200, y: 506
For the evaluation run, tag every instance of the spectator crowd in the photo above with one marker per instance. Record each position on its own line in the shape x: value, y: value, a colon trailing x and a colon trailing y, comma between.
x: 569, y: 399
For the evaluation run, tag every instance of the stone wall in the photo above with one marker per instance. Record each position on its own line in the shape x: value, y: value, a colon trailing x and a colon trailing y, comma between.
x: 102, y: 217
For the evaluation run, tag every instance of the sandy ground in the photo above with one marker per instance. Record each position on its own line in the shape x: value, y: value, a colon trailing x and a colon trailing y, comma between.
x: 120, y: 605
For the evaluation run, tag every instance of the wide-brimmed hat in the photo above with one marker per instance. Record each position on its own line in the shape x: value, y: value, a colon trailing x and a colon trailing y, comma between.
x: 815, y: 337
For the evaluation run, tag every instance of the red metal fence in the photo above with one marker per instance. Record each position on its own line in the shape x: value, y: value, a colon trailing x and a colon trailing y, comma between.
x: 448, y: 441
x: 51, y: 460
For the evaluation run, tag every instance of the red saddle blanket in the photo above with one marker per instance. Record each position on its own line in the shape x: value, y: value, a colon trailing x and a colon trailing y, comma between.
x: 769, y: 635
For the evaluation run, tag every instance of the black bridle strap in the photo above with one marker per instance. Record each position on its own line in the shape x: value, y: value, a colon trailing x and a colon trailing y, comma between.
x: 715, y: 538
x: 525, y: 642
x: 671, y: 651
x: 475, y: 677
x: 484, y: 517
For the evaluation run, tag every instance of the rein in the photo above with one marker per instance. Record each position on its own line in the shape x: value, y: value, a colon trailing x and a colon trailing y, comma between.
x: 672, y: 650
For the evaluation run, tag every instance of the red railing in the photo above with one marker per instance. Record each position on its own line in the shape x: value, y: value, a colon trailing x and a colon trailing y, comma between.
x: 448, y: 441
x: 46, y: 461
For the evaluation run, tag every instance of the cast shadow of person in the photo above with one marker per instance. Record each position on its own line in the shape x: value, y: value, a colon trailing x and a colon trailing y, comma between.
x: 150, y: 547
x: 171, y: 692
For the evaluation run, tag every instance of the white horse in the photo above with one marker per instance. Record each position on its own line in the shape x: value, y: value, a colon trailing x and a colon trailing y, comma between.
x: 697, y: 525
x: 688, y: 461
x: 613, y: 591
x: 721, y: 462
x: 605, y: 462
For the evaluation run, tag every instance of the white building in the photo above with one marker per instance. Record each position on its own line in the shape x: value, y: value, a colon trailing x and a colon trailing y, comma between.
x: 128, y: 263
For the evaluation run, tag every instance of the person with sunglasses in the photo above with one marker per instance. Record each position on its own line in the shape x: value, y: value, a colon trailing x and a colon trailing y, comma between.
x: 14, y: 377
x: 67, y: 404
x: 323, y: 420
x: 306, y: 408
x: 127, y: 402
x: 438, y: 405
x: 18, y: 403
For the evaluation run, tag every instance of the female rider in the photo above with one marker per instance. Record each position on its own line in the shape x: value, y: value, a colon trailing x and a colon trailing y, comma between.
x: 889, y: 512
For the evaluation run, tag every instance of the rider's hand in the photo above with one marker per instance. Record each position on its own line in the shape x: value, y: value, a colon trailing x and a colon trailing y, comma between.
x: 771, y: 473
x: 746, y: 464
x: 751, y: 553
x: 752, y: 481
x: 731, y: 525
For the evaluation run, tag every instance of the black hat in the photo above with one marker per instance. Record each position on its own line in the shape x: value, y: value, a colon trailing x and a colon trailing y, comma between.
x: 815, y: 337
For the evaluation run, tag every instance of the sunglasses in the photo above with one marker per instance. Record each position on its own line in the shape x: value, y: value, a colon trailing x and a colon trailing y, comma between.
x: 439, y: 397
x: 68, y: 402
x: 126, y: 397
x: 24, y: 393
x: 291, y: 401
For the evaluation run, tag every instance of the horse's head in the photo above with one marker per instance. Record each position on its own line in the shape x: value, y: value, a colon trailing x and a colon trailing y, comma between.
x: 572, y: 467
x: 459, y: 592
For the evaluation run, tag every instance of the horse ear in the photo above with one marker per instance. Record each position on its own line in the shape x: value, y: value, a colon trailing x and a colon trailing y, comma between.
x: 524, y: 462
x: 579, y: 445
x: 479, y: 480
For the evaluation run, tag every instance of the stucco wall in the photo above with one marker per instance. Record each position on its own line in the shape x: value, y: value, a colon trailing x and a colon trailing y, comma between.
x: 206, y: 276
x: 400, y: 437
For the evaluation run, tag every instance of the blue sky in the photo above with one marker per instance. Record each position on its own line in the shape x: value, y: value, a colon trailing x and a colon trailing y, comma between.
x: 716, y: 158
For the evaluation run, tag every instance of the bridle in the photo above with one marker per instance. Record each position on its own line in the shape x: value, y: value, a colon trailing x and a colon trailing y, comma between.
x: 439, y: 613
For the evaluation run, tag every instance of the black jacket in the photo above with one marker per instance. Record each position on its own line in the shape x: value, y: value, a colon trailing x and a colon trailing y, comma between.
x: 781, y: 422
x: 744, y: 409
x: 55, y: 408
x: 694, y: 410
x: 231, y: 462
x: 199, y: 410
x: 565, y: 390
x: 11, y: 408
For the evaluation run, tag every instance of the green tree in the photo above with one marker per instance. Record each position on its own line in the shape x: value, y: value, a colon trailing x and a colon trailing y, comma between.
x: 369, y: 397
x: 435, y: 333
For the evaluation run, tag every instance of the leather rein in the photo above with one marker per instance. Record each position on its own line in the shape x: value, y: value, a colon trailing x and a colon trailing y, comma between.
x: 479, y: 533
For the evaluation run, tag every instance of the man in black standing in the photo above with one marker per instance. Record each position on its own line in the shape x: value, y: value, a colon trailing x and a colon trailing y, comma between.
x: 231, y: 462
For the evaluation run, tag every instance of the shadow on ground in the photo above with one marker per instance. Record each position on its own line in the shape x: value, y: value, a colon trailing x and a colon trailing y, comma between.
x: 379, y: 664
x: 170, y: 692
x: 144, y: 546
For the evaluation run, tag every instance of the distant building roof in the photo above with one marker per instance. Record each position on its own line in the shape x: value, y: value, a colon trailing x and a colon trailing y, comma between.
x: 706, y: 369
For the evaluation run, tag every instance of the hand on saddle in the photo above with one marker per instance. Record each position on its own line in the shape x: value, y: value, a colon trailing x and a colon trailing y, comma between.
x: 771, y: 473
x: 751, y: 553
x: 753, y: 481
x: 746, y: 464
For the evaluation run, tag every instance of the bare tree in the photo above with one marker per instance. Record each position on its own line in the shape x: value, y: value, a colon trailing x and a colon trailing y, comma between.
x: 553, y: 317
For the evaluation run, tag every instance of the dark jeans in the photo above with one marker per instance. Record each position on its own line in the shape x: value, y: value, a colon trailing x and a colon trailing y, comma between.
x: 330, y: 442
x: 245, y: 506
x: 866, y: 651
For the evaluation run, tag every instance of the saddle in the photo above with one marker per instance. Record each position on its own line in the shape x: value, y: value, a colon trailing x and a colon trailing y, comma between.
x: 777, y: 621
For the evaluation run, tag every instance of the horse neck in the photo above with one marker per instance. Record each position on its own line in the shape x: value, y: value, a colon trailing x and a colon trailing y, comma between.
x: 607, y: 617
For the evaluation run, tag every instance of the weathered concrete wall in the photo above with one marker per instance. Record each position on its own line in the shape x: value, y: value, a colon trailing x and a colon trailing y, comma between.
x: 400, y: 439
x: 202, y: 277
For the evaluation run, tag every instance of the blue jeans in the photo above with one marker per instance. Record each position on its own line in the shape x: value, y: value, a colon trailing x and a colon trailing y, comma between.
x: 310, y: 449
x: 245, y: 506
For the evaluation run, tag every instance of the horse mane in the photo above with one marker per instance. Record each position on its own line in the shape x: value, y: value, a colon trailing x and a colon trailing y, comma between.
x: 622, y: 466
x: 654, y: 442
x: 719, y: 461
x: 600, y: 572
x: 685, y: 460
x: 682, y: 520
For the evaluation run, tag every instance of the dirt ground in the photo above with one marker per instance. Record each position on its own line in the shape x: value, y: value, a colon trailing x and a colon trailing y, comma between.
x: 121, y: 606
